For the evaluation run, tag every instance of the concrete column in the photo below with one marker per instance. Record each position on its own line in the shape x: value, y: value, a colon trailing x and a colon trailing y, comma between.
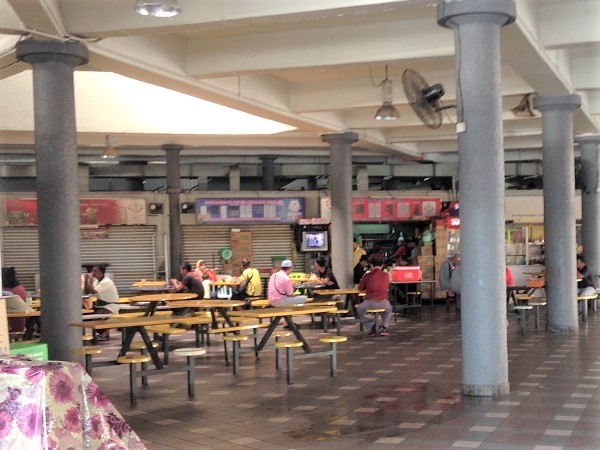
x: 340, y: 186
x: 83, y: 174
x: 268, y: 173
x: 173, y: 191
x: 234, y: 178
x: 57, y: 189
x: 362, y: 179
x: 559, y: 209
x: 481, y: 171
x: 589, y: 145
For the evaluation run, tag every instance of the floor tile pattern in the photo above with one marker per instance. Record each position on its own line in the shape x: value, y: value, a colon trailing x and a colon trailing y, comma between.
x: 396, y: 392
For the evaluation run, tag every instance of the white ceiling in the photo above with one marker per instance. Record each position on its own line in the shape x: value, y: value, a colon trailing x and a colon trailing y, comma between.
x: 313, y: 65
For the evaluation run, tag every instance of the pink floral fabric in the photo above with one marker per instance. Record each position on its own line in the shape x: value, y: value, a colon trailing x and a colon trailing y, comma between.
x: 56, y: 405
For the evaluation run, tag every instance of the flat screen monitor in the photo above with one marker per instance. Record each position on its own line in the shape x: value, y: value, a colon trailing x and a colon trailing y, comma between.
x: 314, y: 241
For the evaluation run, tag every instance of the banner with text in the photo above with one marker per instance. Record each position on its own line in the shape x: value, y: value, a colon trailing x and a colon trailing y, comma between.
x: 250, y: 210
x: 387, y: 209
x: 92, y: 212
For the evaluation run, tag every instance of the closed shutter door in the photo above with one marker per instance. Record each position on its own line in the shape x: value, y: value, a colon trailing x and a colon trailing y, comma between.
x: 205, y: 241
x: 20, y: 250
x: 130, y: 252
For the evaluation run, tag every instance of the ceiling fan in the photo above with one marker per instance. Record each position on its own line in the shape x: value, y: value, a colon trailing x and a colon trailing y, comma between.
x: 423, y: 98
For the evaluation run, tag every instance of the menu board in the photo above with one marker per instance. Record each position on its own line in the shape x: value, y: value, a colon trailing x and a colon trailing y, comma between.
x: 250, y: 210
x: 93, y: 212
x: 368, y: 209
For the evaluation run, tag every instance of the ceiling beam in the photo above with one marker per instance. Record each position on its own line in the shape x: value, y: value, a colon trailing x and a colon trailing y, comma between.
x: 320, y: 47
x: 40, y: 15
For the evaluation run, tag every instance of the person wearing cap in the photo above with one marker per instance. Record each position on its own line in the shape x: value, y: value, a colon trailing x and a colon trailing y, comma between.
x: 281, y: 287
x: 251, y: 277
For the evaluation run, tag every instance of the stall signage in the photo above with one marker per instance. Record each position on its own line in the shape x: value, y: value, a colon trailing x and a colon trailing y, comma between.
x: 92, y: 212
x: 388, y: 209
x: 250, y: 210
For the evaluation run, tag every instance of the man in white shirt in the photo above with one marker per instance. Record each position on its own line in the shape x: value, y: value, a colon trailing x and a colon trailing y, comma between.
x: 105, y: 290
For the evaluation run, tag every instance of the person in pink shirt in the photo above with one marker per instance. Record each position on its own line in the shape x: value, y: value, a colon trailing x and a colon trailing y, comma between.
x: 376, y: 284
x: 281, y: 287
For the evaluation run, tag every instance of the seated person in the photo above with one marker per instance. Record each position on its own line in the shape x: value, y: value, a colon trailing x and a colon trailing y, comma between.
x: 281, y: 287
x: 361, y: 268
x: 188, y: 283
x: 586, y: 284
x: 107, y: 297
x: 206, y: 275
x: 324, y: 275
x: 376, y: 284
x: 251, y: 283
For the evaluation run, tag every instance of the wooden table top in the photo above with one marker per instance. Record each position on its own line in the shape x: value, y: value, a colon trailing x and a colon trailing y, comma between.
x: 226, y: 283
x: 335, y: 291
x: 149, y: 283
x: 114, y: 322
x: 284, y: 311
x: 23, y: 314
x: 175, y: 296
x: 219, y: 303
x: 36, y: 313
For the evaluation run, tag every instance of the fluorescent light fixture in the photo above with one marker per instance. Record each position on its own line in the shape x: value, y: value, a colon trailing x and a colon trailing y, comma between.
x: 157, y: 8
x: 387, y: 111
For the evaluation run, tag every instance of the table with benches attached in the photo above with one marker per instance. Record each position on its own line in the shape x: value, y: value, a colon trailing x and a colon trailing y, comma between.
x: 287, y: 313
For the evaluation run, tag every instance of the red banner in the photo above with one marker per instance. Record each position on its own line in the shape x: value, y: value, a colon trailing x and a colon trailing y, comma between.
x: 391, y: 209
x: 97, y: 211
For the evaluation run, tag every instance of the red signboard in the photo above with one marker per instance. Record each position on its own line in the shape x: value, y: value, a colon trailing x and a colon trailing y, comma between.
x: 121, y: 211
x: 365, y: 209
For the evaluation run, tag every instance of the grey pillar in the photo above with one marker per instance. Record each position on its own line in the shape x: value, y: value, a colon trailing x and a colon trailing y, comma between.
x: 57, y: 189
x: 559, y: 209
x: 340, y: 186
x: 268, y: 173
x: 234, y: 178
x: 590, y: 201
x: 481, y: 171
x: 362, y: 179
x: 173, y: 191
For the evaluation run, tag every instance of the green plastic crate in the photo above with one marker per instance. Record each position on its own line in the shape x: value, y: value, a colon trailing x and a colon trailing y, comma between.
x: 37, y: 350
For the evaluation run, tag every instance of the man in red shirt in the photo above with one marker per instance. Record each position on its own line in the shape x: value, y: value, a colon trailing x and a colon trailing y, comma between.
x: 376, y: 284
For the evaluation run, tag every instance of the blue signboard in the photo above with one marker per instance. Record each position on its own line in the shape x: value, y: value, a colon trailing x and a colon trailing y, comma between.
x: 250, y: 210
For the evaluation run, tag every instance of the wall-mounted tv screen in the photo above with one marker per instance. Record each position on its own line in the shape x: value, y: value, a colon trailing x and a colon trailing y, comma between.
x: 314, y: 241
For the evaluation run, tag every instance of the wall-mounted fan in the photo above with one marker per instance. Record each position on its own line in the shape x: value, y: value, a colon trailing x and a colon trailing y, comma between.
x: 423, y: 98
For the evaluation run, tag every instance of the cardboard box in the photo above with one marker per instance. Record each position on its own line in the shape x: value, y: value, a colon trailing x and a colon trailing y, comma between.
x: 426, y: 250
x: 424, y: 261
x: 36, y: 350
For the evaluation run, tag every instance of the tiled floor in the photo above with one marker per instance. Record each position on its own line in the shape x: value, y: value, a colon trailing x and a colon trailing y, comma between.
x: 401, y: 391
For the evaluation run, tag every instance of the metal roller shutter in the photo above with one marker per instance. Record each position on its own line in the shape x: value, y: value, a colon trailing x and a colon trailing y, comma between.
x: 130, y: 251
x: 204, y: 242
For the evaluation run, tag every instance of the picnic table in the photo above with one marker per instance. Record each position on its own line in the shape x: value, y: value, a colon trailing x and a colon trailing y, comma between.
x: 130, y: 326
x: 287, y: 313
x: 154, y: 299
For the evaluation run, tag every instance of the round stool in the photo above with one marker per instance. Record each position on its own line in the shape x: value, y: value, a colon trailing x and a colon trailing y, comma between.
x: 88, y: 352
x: 289, y: 356
x: 236, y: 341
x: 132, y: 361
